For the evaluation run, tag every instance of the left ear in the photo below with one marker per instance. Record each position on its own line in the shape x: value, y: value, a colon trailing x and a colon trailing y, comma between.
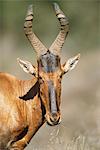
x: 71, y: 63
x: 27, y: 67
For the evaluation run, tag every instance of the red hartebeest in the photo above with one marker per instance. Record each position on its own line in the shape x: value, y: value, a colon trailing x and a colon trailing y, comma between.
x: 26, y: 105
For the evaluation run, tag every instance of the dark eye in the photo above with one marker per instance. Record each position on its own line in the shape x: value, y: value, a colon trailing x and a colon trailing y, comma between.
x: 40, y: 78
x: 41, y: 81
x: 41, y: 92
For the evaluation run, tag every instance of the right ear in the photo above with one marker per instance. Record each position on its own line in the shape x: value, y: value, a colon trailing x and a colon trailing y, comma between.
x: 27, y: 67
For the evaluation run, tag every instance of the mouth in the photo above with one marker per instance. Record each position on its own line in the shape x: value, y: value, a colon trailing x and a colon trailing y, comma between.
x: 53, y: 119
x: 53, y: 122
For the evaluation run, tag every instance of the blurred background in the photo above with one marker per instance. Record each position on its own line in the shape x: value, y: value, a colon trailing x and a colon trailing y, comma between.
x: 81, y: 87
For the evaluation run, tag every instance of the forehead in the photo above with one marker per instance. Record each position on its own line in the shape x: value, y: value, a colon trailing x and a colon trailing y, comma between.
x: 49, y: 62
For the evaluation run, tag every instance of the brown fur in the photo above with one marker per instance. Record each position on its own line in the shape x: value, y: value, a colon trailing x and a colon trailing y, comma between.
x: 17, y: 115
x: 26, y: 105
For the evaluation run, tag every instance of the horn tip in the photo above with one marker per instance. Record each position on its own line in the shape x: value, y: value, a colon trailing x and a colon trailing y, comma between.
x: 30, y: 10
x: 30, y: 6
x: 57, y: 9
x: 56, y: 6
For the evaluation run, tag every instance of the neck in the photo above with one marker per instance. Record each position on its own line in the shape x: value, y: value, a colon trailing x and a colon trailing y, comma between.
x: 29, y: 93
x: 25, y: 86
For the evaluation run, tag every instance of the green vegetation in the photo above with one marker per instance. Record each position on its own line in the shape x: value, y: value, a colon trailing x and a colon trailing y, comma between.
x: 83, y: 16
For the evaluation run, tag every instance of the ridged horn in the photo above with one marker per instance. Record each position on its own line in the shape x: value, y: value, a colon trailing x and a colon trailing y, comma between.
x: 64, y: 29
x: 34, y: 40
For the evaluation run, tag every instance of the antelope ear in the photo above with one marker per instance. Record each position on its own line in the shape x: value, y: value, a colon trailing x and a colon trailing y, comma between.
x: 27, y: 66
x: 71, y: 63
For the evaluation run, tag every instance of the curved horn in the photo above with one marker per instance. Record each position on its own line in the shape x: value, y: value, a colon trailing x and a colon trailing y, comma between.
x: 35, y: 42
x: 64, y: 25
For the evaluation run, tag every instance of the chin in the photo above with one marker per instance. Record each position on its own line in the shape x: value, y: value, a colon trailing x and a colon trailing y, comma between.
x: 53, y: 123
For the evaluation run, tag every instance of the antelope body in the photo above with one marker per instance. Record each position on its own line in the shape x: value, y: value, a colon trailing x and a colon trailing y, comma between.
x: 26, y: 104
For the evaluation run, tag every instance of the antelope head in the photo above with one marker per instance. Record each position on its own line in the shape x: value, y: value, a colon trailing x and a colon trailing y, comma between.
x: 49, y: 70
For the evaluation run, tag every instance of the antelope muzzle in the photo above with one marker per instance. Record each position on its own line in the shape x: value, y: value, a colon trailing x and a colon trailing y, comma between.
x: 53, y: 119
x: 53, y: 116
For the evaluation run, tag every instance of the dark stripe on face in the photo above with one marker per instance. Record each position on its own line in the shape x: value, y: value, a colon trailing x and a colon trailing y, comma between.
x: 49, y: 62
x: 52, y: 97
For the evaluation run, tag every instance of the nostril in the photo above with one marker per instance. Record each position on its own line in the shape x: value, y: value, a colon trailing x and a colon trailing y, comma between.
x: 54, y: 121
x: 55, y: 118
x: 54, y: 115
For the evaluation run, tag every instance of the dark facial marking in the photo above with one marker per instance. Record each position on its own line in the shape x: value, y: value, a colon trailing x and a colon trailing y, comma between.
x: 43, y: 110
x: 49, y: 62
x: 31, y: 93
x: 52, y: 97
